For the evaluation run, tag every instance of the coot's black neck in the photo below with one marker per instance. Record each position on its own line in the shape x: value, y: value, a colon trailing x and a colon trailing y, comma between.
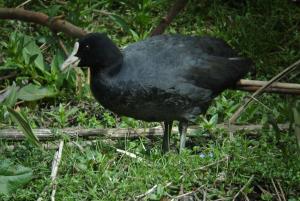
x: 109, y: 70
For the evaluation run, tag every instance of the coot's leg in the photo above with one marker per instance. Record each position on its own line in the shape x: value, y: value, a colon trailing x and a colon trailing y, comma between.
x: 182, y: 131
x: 166, y: 137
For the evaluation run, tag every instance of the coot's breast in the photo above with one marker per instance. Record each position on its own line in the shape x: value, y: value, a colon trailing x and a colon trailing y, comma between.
x: 144, y: 102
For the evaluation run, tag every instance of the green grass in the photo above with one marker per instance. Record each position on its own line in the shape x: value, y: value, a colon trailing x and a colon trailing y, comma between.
x: 267, y: 31
x: 100, y: 173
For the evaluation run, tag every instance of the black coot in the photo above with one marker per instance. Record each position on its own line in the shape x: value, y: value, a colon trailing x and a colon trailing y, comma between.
x: 163, y: 78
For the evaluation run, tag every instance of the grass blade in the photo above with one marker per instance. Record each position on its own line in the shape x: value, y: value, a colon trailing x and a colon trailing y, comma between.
x: 23, y: 124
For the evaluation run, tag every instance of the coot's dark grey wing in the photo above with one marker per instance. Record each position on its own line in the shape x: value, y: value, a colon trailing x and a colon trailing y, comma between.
x: 193, y: 66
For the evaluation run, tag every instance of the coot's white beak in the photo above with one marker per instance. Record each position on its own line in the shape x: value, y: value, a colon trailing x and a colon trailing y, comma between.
x: 72, y: 59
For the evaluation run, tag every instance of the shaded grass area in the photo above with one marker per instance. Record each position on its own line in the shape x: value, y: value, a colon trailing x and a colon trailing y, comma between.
x: 217, y: 167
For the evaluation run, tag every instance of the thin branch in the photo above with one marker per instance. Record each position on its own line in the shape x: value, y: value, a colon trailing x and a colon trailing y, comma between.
x: 289, y: 69
x: 151, y: 190
x: 23, y: 4
x: 56, y: 25
x: 172, y: 13
x: 55, y: 164
x: 212, y: 164
x: 276, y: 87
x: 243, y: 188
x: 131, y: 155
x: 116, y: 133
x: 188, y: 193
x: 281, y: 190
x: 276, y: 190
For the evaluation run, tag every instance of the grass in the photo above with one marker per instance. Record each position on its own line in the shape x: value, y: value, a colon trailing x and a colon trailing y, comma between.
x: 264, y: 30
x: 100, y: 173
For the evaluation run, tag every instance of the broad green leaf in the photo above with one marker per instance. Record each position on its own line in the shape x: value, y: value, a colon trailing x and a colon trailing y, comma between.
x: 30, y: 48
x: 11, y: 97
x: 12, y: 176
x: 56, y: 62
x: 32, y: 58
x: 214, y: 119
x: 33, y: 92
x: 24, y: 126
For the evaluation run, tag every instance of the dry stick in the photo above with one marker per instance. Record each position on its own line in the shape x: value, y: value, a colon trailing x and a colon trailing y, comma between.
x: 276, y: 87
x: 281, y: 190
x: 23, y: 4
x: 246, y: 197
x: 243, y: 188
x: 259, y: 83
x: 151, y: 190
x: 276, y: 190
x: 116, y: 133
x: 56, y: 25
x: 270, y: 90
x: 131, y: 155
x: 172, y: 13
x: 188, y: 193
x: 55, y: 164
x: 211, y: 164
x: 261, y: 89
x: 63, y: 47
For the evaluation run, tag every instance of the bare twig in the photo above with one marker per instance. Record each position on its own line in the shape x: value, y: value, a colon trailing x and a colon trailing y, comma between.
x: 204, y: 195
x: 276, y: 190
x: 63, y: 47
x: 246, y: 197
x: 212, y: 164
x: 23, y: 4
x: 276, y: 90
x: 56, y: 25
x: 132, y: 155
x: 188, y: 193
x: 281, y: 190
x: 259, y: 83
x: 151, y: 190
x: 55, y: 164
x: 261, y: 89
x: 243, y: 188
x: 172, y: 13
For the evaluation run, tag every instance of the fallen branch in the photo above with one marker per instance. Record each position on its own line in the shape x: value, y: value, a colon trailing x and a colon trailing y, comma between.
x: 289, y: 69
x: 56, y: 25
x: 116, y: 133
x: 276, y: 87
x: 172, y: 13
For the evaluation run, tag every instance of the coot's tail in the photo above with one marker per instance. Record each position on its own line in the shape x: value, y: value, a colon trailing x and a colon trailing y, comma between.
x: 242, y: 66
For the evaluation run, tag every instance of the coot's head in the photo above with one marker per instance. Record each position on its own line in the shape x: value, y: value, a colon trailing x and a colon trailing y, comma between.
x: 94, y: 50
